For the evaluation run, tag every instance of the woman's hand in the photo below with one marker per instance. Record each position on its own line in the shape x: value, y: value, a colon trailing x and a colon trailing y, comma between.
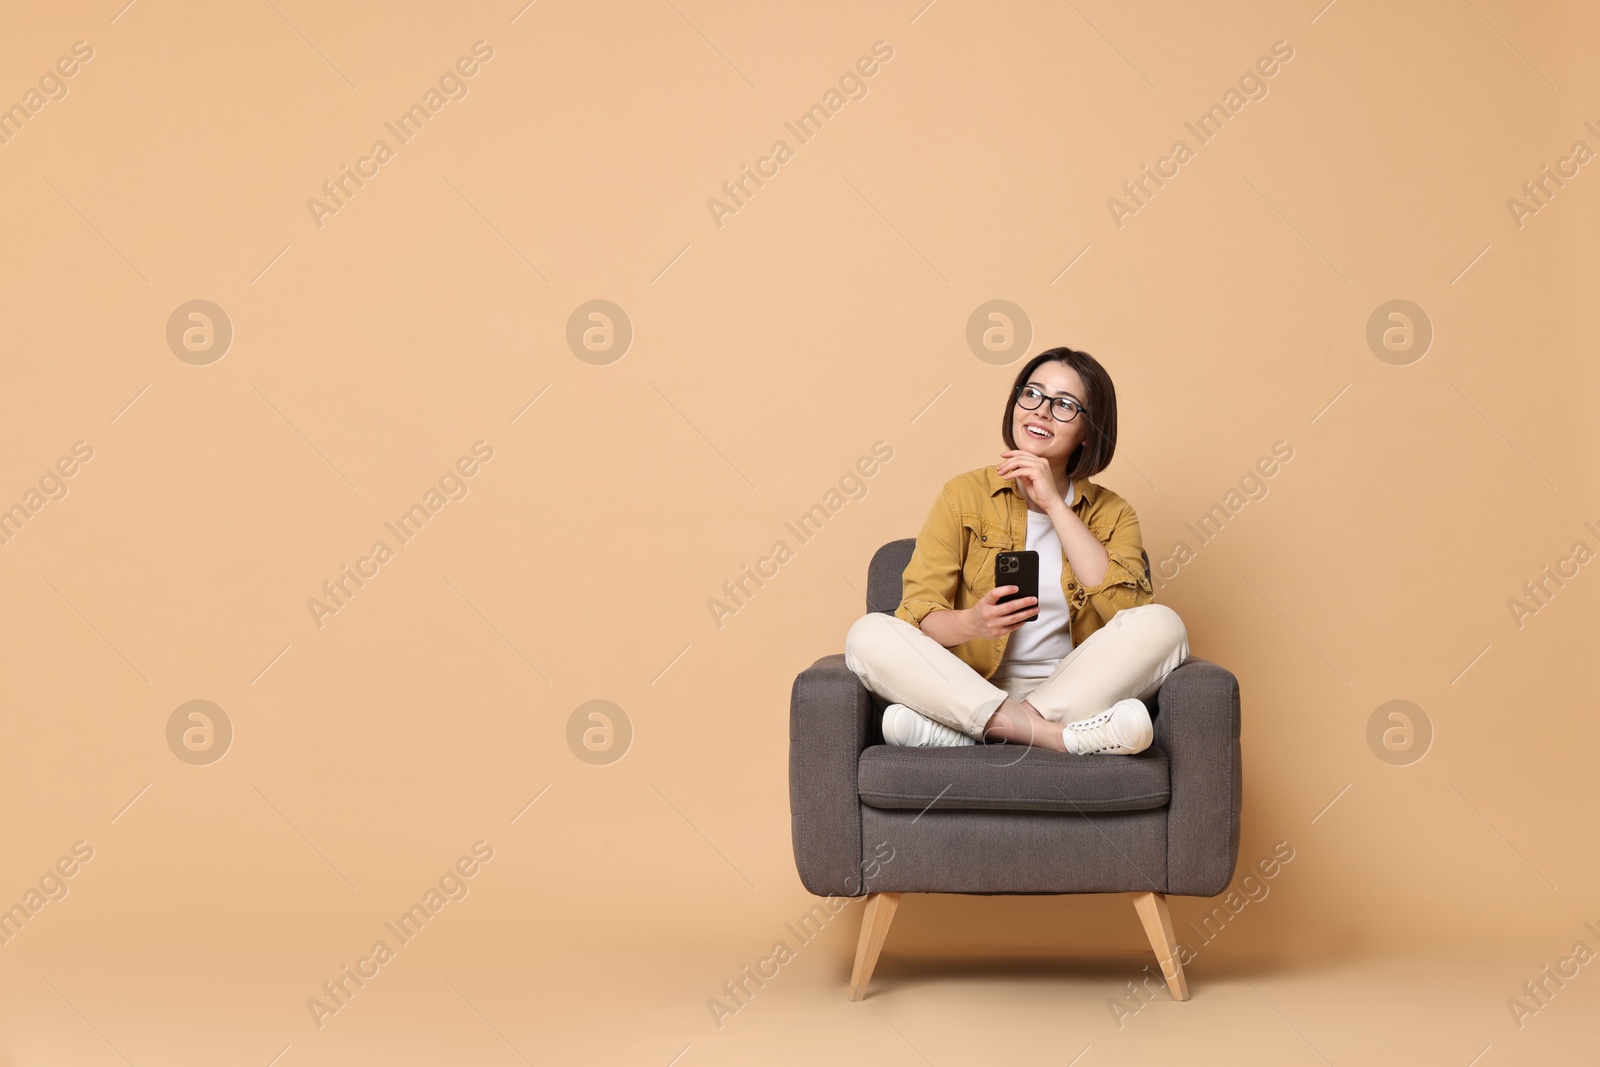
x: 988, y: 619
x: 1034, y: 473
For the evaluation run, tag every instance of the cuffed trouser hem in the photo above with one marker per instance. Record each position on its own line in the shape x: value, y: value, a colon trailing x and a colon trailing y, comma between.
x: 984, y: 712
x: 903, y: 665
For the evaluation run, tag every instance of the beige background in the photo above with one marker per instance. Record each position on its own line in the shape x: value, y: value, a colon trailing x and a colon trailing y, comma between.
x: 768, y: 355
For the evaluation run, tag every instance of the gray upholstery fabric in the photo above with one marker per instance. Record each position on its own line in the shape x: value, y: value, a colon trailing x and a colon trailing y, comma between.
x: 851, y: 798
x: 1016, y: 851
x: 1010, y: 777
x: 1197, y: 723
x: 884, y: 573
x: 829, y: 710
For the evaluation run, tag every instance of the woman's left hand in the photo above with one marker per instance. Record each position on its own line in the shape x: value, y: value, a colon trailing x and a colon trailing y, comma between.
x: 1034, y: 473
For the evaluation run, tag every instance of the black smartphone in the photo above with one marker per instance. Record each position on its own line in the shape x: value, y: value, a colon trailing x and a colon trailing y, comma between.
x: 1020, y: 569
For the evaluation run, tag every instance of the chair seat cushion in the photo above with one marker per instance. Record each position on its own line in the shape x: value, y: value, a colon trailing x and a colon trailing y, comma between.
x: 1011, y: 777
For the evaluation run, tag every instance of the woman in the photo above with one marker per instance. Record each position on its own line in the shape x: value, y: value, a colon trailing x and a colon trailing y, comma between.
x: 960, y: 667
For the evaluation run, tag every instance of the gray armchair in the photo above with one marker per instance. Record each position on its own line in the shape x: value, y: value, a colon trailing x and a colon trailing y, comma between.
x: 881, y: 820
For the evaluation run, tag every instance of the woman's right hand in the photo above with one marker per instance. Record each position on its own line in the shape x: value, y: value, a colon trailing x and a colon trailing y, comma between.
x: 988, y: 619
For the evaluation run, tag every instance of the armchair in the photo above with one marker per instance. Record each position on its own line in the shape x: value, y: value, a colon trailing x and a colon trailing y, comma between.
x: 961, y: 820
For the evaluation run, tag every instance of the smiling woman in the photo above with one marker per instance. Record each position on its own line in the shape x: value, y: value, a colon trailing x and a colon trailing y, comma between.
x: 1096, y: 647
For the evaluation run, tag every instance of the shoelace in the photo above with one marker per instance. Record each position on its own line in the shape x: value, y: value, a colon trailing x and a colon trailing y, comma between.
x: 937, y: 731
x: 1094, y: 735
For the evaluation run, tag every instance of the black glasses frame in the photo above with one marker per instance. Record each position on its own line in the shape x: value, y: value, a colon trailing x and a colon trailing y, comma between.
x: 1057, y: 403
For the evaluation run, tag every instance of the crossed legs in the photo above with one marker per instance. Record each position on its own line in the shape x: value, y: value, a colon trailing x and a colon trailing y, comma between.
x: 1129, y: 656
x: 1018, y: 722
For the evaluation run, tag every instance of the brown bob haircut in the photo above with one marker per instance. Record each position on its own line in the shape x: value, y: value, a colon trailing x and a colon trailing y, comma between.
x: 1099, y: 444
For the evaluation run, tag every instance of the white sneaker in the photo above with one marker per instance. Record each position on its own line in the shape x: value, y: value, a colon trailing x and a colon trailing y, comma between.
x: 903, y: 726
x: 1122, y: 729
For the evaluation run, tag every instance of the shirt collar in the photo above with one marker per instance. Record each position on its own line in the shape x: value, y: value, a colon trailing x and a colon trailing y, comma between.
x: 1080, y: 485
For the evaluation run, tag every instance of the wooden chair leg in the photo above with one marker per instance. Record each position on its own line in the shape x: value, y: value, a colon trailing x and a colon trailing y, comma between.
x: 875, y: 922
x: 1152, y: 909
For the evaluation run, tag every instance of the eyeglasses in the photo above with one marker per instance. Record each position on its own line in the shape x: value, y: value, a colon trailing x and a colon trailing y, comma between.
x: 1062, y: 408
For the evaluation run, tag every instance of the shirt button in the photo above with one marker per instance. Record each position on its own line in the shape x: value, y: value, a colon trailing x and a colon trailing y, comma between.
x: 984, y: 537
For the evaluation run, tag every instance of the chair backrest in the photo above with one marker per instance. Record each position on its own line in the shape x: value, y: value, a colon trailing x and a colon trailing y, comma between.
x: 884, y: 573
x: 888, y: 566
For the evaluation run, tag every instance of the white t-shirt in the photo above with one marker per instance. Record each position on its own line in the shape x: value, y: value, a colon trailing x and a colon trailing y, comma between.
x: 1035, y: 647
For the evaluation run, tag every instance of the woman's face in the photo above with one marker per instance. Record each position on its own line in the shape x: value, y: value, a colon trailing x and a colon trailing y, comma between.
x: 1056, y: 379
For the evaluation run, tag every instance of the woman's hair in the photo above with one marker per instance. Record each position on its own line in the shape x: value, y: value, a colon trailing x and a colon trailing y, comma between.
x: 1094, y: 453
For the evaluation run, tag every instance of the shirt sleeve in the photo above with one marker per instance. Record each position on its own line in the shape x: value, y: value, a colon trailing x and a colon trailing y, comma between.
x: 1127, y: 580
x: 934, y: 573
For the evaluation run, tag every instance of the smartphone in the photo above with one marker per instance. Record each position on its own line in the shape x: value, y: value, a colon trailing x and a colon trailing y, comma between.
x: 1020, y: 569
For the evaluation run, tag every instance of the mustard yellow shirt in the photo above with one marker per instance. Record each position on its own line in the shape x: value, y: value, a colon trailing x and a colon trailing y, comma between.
x: 978, y: 514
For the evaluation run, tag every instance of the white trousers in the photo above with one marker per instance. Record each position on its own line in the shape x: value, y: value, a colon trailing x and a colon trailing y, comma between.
x: 1129, y: 656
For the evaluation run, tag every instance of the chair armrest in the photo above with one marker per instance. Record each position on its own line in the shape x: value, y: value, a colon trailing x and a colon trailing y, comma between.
x: 830, y: 715
x: 1197, y: 725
